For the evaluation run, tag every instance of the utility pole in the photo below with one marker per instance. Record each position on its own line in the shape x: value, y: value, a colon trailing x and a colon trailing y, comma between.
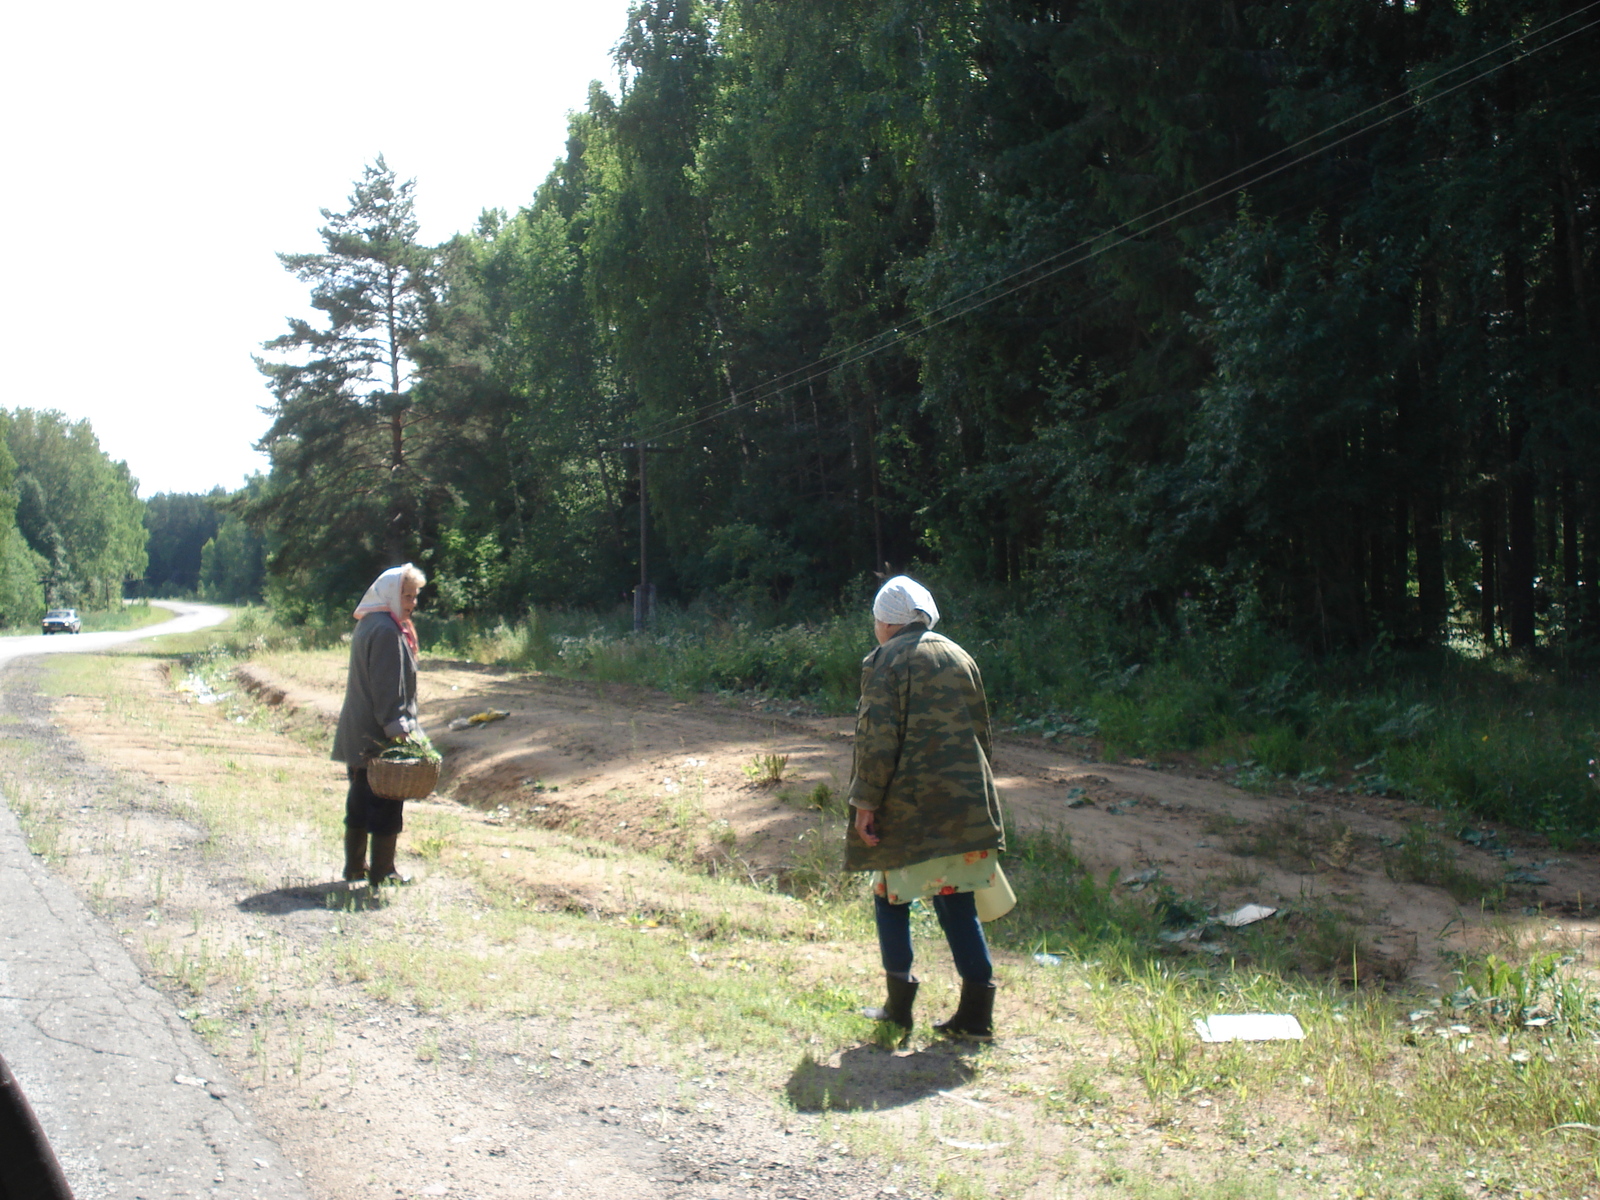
x: 644, y: 609
x: 644, y: 596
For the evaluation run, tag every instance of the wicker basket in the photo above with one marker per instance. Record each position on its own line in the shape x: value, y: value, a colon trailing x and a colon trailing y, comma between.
x: 402, y: 778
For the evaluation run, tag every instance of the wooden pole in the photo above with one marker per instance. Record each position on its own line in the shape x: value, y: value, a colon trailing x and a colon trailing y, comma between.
x: 643, y: 609
x: 641, y: 597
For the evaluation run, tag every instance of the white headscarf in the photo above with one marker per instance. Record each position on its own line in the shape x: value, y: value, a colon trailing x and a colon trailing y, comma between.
x: 384, y: 597
x: 384, y: 594
x: 903, y: 600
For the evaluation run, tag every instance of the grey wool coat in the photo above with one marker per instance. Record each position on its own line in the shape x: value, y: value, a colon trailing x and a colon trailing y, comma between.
x: 922, y: 755
x: 380, y: 694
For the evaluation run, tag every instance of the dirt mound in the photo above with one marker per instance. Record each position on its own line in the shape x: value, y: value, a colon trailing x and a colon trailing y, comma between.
x: 645, y: 769
x: 282, y: 692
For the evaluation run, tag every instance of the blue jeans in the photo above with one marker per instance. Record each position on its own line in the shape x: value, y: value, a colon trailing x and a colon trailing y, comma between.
x: 958, y: 917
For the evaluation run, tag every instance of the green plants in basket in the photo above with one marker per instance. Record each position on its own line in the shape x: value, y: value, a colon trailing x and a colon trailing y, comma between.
x: 413, y: 747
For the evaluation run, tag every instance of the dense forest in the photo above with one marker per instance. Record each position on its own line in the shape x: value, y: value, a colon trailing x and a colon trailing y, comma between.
x: 1141, y: 303
x: 71, y: 522
x: 197, y: 550
x: 74, y: 532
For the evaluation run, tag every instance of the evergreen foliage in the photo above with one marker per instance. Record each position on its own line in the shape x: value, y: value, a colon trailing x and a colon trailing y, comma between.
x: 179, y: 525
x: 1215, y: 307
x: 232, y: 563
x: 349, y: 443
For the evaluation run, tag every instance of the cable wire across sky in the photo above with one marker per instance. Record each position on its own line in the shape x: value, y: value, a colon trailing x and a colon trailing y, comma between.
x: 1141, y: 225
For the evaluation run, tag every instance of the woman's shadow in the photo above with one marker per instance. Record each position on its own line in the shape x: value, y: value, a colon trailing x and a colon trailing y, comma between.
x: 870, y: 1077
x: 340, y: 896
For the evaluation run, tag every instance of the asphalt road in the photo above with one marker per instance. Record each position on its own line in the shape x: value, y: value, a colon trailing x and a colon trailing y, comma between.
x: 134, y: 1105
x: 190, y: 618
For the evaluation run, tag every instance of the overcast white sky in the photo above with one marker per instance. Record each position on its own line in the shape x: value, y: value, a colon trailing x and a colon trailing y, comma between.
x: 157, y: 156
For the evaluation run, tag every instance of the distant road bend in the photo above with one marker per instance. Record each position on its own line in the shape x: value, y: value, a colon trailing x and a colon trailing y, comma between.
x: 189, y: 618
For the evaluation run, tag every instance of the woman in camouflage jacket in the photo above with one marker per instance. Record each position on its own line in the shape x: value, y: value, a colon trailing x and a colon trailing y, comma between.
x: 927, y: 814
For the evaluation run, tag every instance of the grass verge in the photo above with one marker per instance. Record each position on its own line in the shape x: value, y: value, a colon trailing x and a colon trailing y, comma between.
x: 1098, y: 1086
x: 138, y: 614
x: 1499, y: 737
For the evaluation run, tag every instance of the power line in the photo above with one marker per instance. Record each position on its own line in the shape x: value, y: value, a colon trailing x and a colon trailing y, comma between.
x: 1090, y: 248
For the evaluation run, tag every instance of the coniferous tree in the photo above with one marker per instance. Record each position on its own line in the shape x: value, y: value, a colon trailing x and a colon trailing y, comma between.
x: 179, y: 524
x: 969, y: 281
x: 349, y: 443
x: 232, y: 563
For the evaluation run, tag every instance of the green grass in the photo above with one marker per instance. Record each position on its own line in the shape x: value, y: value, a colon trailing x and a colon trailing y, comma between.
x: 1386, y: 1097
x: 1423, y: 857
x: 1501, y: 738
x: 1507, y: 739
x: 137, y: 615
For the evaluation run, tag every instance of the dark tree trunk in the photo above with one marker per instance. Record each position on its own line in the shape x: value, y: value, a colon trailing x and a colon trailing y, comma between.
x: 878, y: 563
x: 1489, y: 555
x: 1432, y: 600
x: 1377, y: 570
x: 1577, y: 575
x: 1569, y: 533
x: 1426, y: 503
x: 1522, y: 531
x: 1588, y: 571
x: 1523, y: 567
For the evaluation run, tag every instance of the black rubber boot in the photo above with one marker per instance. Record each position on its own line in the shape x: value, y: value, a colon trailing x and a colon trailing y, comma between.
x: 897, y: 1008
x: 355, y: 854
x: 974, y: 1016
x: 383, y: 869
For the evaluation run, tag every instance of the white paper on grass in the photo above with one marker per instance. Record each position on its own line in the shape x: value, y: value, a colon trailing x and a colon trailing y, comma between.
x: 1248, y: 915
x: 1249, y: 1027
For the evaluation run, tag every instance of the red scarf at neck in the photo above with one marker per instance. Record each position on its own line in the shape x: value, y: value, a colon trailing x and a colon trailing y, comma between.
x: 407, y: 631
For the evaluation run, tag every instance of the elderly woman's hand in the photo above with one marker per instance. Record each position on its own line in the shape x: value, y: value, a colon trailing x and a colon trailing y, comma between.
x: 867, y: 826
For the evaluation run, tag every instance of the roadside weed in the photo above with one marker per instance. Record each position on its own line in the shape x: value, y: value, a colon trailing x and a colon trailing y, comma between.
x: 821, y: 797
x: 1423, y: 857
x: 815, y: 869
x: 766, y: 770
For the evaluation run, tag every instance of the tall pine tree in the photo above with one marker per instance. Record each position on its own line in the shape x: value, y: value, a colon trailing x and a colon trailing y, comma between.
x: 348, y: 440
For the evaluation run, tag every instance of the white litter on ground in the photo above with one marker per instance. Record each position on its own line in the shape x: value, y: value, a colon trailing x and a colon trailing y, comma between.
x: 1248, y: 915
x: 1249, y: 1027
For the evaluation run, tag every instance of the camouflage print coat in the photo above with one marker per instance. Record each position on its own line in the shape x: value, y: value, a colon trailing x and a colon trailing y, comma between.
x: 922, y: 755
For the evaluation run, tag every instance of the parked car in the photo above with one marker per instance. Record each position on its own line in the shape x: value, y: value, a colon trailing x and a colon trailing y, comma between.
x: 62, y: 620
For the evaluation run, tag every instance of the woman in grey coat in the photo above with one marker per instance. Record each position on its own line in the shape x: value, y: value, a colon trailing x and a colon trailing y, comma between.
x: 380, y: 703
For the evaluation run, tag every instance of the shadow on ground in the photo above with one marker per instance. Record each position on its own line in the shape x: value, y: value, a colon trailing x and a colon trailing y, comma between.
x: 870, y: 1077
x: 338, y: 896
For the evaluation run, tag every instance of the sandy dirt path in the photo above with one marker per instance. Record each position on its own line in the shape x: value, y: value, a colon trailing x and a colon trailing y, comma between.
x: 601, y: 757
